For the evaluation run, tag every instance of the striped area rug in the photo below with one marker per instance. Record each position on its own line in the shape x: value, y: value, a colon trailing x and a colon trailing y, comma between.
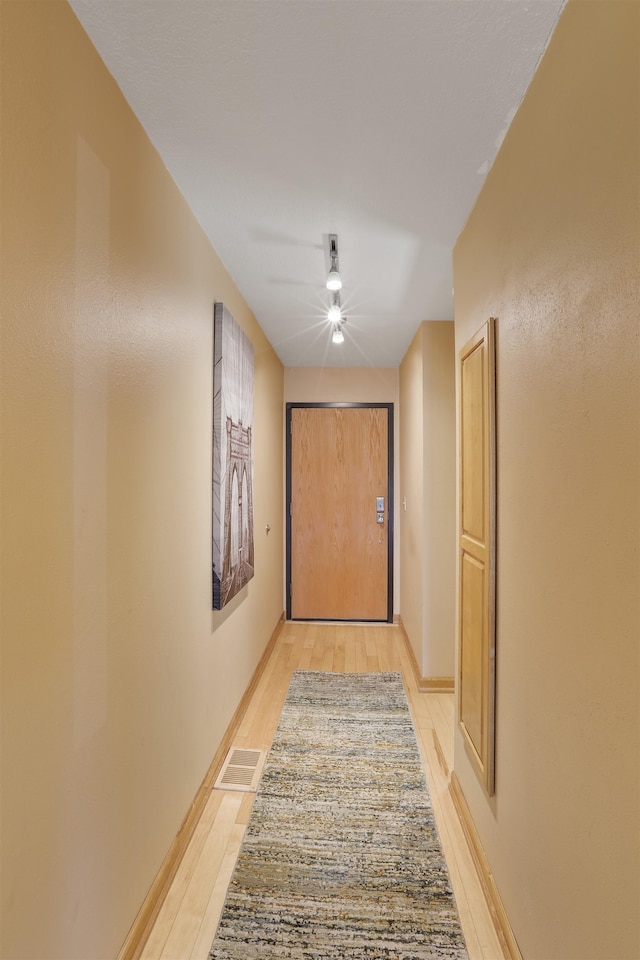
x: 341, y: 857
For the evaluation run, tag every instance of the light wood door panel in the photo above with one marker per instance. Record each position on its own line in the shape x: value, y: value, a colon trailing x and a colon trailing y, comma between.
x: 476, y: 638
x: 472, y: 437
x: 472, y: 588
x: 339, y: 554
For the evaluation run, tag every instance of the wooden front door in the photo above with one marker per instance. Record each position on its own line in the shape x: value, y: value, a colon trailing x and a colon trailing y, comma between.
x: 339, y: 536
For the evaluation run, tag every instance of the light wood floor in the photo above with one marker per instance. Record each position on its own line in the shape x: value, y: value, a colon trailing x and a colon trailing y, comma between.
x: 187, y: 922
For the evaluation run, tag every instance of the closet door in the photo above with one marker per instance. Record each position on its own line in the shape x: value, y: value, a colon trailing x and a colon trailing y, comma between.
x: 476, y: 640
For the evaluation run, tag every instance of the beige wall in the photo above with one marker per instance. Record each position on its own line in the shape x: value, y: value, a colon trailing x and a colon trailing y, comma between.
x: 552, y: 250
x: 439, y: 499
x: 412, y: 489
x: 117, y: 679
x: 427, y: 471
x: 353, y: 385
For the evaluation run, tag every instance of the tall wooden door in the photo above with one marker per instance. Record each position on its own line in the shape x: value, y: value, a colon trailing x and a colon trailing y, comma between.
x: 340, y: 507
x: 476, y: 653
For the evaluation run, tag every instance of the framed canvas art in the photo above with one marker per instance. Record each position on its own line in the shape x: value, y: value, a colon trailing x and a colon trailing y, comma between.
x: 232, y: 458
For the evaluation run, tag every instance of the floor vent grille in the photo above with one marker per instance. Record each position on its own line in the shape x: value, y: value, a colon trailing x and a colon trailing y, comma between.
x: 241, y: 770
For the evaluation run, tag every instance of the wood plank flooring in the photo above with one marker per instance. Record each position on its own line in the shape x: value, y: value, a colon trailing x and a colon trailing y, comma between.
x: 187, y: 921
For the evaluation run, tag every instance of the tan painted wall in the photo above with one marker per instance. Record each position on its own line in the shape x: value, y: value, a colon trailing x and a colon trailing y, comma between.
x: 427, y: 471
x: 552, y: 249
x: 439, y: 499
x: 412, y: 488
x: 117, y: 679
x: 353, y: 385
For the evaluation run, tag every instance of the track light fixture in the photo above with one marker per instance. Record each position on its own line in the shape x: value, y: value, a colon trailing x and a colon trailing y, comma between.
x: 334, y: 284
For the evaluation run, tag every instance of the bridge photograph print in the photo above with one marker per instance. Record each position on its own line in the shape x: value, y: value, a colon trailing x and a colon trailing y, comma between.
x: 232, y: 458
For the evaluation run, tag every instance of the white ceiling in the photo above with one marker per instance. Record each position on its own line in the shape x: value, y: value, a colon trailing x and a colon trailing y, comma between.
x: 284, y: 120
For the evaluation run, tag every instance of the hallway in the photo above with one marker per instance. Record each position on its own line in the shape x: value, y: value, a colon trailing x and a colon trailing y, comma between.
x: 119, y: 680
x: 187, y: 922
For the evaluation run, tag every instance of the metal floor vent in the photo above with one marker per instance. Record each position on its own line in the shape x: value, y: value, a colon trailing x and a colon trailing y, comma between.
x: 241, y: 770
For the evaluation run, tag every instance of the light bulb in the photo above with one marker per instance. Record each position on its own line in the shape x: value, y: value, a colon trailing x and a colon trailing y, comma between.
x: 334, y: 280
x: 335, y: 314
x: 338, y: 335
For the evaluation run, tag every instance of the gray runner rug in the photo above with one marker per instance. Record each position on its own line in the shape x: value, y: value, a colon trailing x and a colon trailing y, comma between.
x: 341, y: 857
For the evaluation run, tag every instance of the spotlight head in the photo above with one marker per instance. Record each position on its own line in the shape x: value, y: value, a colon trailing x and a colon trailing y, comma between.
x: 334, y: 280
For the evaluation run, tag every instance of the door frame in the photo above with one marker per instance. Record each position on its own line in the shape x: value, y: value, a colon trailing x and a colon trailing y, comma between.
x: 390, y: 501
